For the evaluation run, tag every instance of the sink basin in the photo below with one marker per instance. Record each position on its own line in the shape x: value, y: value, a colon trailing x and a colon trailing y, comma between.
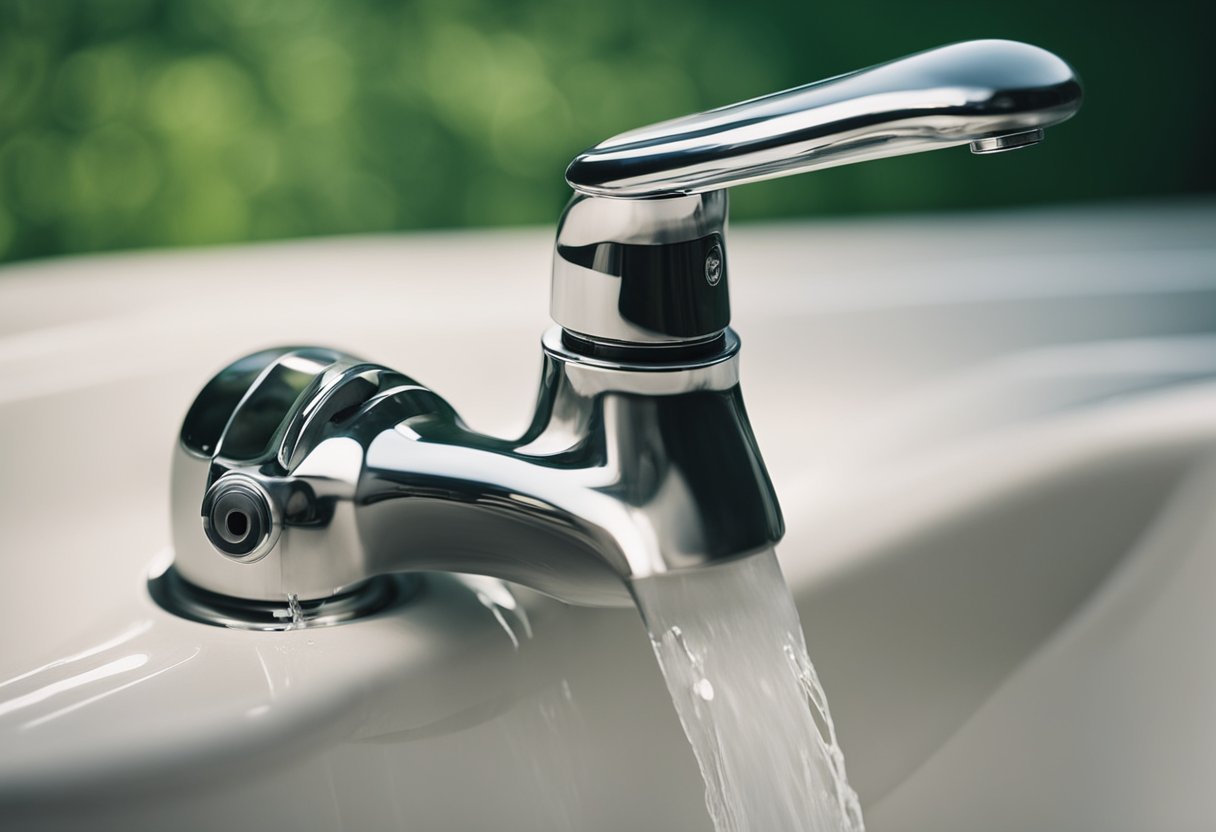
x: 993, y: 440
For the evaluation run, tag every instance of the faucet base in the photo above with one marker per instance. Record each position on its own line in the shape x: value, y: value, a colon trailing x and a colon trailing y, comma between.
x: 377, y: 594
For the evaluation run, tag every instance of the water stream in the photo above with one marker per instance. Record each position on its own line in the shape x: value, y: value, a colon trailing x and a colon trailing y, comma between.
x: 732, y: 651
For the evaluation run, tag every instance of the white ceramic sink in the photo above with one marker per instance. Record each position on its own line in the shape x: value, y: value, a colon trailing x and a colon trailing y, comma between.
x: 994, y: 438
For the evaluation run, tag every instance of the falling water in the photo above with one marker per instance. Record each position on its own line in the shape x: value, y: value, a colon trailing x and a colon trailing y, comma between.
x: 731, y: 648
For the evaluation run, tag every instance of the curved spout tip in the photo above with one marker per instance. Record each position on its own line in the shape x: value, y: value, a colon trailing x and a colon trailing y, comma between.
x: 1012, y: 141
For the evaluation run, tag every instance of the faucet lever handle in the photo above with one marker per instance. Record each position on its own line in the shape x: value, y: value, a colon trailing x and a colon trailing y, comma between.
x: 993, y: 94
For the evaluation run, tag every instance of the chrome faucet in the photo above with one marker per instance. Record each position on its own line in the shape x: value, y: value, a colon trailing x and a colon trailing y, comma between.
x: 305, y: 473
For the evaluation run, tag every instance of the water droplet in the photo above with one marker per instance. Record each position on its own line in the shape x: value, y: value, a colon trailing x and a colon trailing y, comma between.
x: 297, y: 612
x: 704, y: 689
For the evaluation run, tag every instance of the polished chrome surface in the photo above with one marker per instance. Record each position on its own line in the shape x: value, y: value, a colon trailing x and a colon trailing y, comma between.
x: 304, y: 472
x: 636, y: 271
x: 627, y: 470
x: 948, y: 96
x: 641, y: 254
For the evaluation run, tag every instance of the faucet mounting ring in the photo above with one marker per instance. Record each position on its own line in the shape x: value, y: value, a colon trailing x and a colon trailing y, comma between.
x: 381, y: 592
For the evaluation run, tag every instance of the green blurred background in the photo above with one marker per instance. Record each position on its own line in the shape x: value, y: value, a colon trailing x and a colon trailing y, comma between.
x: 132, y: 123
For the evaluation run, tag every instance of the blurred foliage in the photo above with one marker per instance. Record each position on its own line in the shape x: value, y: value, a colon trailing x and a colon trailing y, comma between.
x: 128, y: 123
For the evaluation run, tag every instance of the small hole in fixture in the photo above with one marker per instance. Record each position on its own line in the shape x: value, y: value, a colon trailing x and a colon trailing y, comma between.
x: 237, y: 523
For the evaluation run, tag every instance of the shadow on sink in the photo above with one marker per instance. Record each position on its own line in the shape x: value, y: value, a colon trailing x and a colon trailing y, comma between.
x: 955, y: 574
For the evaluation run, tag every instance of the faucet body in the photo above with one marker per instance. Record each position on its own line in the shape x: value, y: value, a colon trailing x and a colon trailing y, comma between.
x: 313, y: 472
x: 625, y: 471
